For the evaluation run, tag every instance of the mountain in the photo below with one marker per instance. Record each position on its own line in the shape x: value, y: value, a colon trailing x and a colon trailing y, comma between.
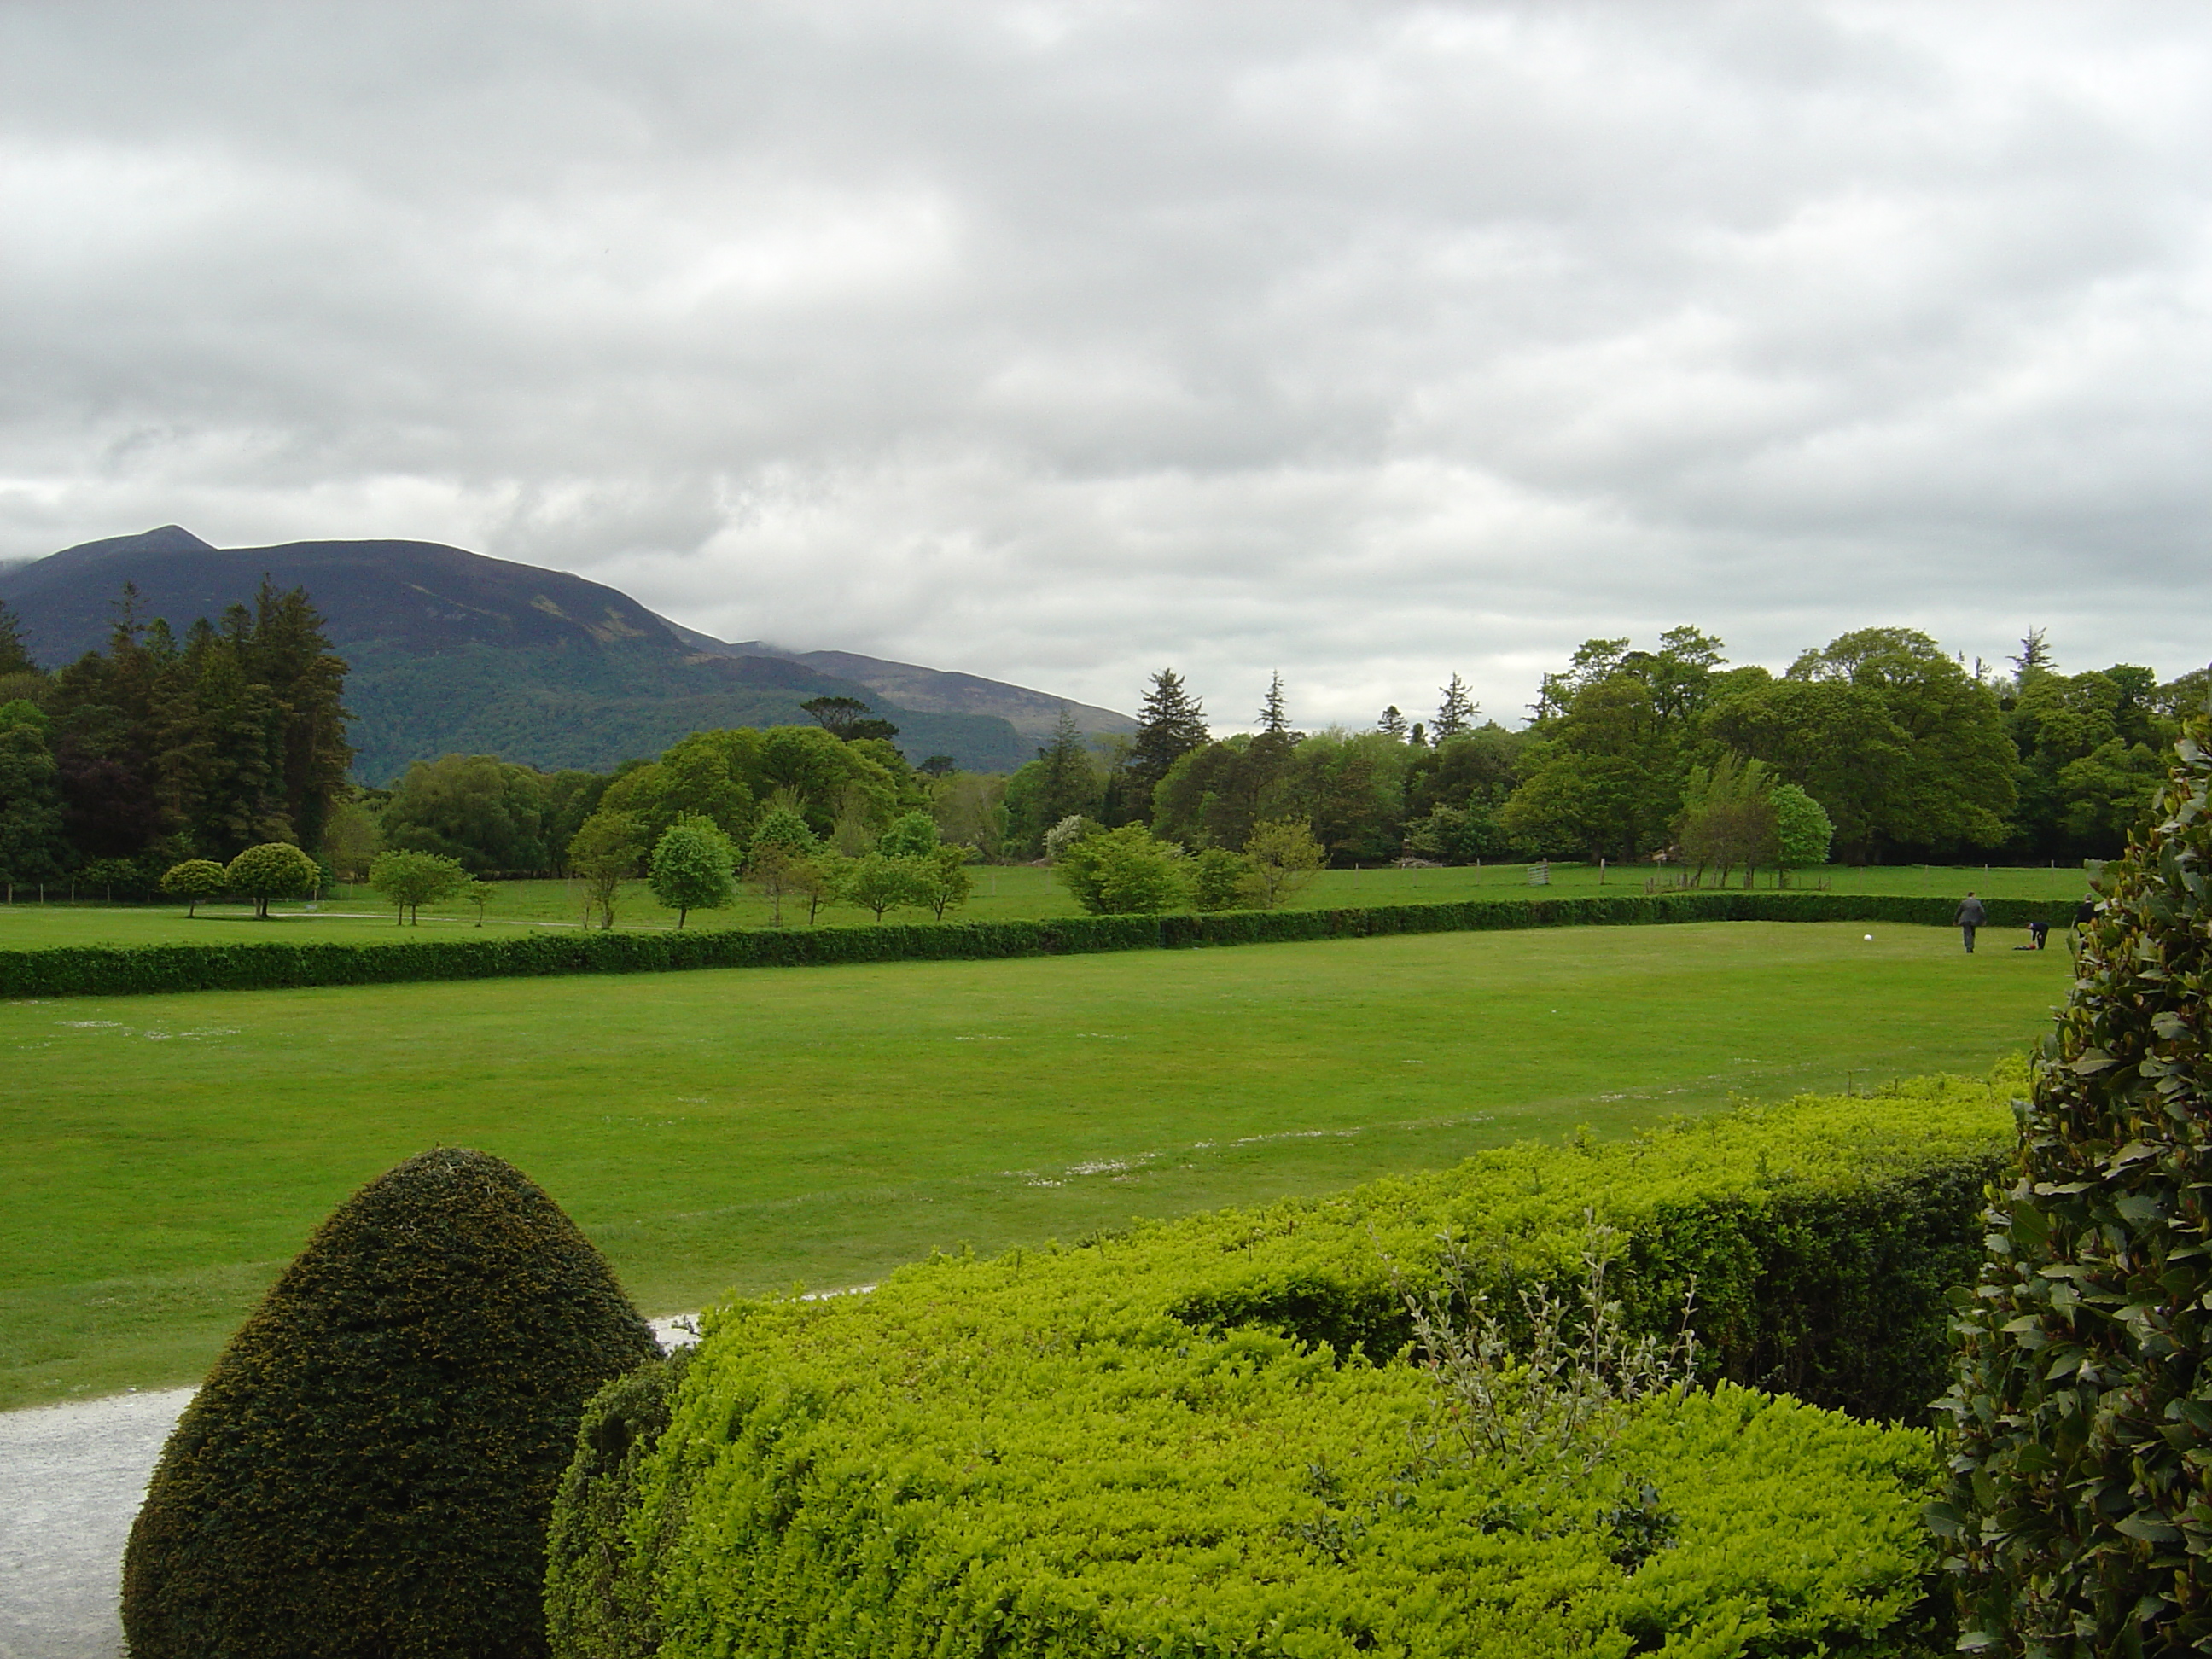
x: 453, y: 651
x: 935, y: 690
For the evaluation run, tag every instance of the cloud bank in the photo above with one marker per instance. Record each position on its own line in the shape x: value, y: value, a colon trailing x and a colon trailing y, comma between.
x: 1060, y: 342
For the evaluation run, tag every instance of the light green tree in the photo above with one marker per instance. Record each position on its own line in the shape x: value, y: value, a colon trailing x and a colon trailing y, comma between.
x: 480, y: 893
x: 1220, y: 880
x: 942, y: 881
x: 781, y: 843
x: 193, y: 880
x: 819, y: 878
x: 1125, y: 871
x: 1729, y: 816
x: 275, y: 869
x: 693, y: 868
x: 604, y: 852
x: 879, y: 883
x: 913, y: 837
x: 1285, y: 858
x: 408, y: 881
x: 1802, y: 833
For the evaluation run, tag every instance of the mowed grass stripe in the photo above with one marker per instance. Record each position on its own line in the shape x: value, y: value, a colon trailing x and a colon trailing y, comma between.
x: 747, y: 1130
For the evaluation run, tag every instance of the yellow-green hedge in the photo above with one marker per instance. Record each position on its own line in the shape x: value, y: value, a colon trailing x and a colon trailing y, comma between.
x: 1200, y: 1438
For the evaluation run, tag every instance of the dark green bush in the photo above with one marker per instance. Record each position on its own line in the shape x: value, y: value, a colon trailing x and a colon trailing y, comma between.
x: 2078, y: 1516
x: 595, y: 1605
x: 125, y: 970
x: 1195, y: 1437
x: 368, y: 1470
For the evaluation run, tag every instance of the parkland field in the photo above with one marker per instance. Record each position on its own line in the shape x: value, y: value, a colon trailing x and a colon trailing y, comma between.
x: 754, y: 1130
x: 1003, y: 893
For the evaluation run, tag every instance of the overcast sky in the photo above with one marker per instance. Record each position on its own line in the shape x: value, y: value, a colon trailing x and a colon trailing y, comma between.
x: 1059, y: 343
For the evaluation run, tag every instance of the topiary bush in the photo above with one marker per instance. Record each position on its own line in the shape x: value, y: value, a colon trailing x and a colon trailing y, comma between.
x: 368, y: 1470
x: 2077, y: 1516
x: 597, y: 1606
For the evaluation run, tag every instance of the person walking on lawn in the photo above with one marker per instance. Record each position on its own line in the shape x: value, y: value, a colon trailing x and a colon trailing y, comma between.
x: 1971, y: 916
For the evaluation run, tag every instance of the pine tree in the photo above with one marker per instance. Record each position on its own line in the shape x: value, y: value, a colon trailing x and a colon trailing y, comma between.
x: 1457, y: 712
x: 1393, y: 723
x: 1069, y: 787
x: 1274, y: 719
x: 14, y: 656
x: 289, y: 654
x: 1171, y: 725
x: 2078, y: 1517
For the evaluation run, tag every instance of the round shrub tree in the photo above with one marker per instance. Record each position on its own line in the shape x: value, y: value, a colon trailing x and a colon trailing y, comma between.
x: 367, y: 1472
x: 193, y: 880
x: 2078, y: 1518
x: 275, y: 869
x: 913, y: 837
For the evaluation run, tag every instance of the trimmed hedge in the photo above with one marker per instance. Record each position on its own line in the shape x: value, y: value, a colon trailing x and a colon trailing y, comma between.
x: 133, y: 969
x: 1195, y: 1437
x: 368, y: 1470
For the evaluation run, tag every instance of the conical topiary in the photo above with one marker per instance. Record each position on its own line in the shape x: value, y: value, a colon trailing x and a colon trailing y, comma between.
x: 2077, y: 1515
x: 367, y: 1471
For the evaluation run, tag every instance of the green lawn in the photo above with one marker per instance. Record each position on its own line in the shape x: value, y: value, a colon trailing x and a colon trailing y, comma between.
x: 1002, y: 893
x: 755, y: 1129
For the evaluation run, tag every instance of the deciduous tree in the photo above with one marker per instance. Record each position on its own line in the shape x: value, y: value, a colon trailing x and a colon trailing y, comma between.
x: 1284, y: 859
x: 273, y: 870
x: 1124, y: 872
x: 605, y: 853
x: 693, y: 868
x: 408, y: 881
x: 193, y: 880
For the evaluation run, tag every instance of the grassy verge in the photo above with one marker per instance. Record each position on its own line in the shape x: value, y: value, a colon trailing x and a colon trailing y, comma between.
x: 732, y: 1130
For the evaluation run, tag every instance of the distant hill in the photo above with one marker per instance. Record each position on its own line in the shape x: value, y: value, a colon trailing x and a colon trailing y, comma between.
x: 453, y: 651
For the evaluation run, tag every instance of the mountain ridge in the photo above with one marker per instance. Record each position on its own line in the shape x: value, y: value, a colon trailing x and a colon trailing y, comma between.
x: 455, y: 650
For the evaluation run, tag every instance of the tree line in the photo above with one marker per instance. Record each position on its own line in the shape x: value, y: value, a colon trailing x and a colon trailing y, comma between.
x: 161, y: 749
x: 1898, y: 749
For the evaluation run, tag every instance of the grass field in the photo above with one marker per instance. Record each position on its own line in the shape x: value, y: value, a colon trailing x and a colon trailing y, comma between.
x: 1002, y: 893
x: 760, y: 1129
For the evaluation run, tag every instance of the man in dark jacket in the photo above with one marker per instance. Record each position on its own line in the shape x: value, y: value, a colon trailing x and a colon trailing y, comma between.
x: 1971, y: 916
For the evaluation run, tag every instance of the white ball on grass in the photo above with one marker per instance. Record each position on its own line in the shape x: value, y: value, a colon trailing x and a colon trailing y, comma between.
x: 1869, y: 938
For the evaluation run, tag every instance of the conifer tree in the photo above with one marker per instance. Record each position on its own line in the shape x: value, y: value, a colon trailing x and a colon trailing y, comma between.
x: 14, y: 656
x: 1274, y: 716
x: 1456, y: 713
x: 2078, y: 1518
x: 1171, y: 724
x: 1393, y: 723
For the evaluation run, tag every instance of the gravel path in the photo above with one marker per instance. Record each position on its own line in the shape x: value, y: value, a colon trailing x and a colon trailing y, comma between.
x: 71, y: 1479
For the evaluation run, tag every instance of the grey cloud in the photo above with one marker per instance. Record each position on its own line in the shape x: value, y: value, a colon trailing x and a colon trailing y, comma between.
x: 1369, y: 342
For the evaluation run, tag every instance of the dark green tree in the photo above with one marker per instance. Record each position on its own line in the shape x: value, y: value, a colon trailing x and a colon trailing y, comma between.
x: 32, y: 848
x: 848, y: 719
x: 1456, y: 712
x: 484, y: 813
x: 14, y: 656
x: 2078, y: 1518
x: 367, y: 1472
x: 1170, y: 724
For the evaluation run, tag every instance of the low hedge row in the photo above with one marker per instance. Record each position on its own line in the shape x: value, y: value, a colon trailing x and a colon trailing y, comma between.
x: 125, y: 970
x: 1196, y: 1438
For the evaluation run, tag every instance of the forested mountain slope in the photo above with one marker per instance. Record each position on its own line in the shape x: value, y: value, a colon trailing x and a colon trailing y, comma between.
x: 453, y: 651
